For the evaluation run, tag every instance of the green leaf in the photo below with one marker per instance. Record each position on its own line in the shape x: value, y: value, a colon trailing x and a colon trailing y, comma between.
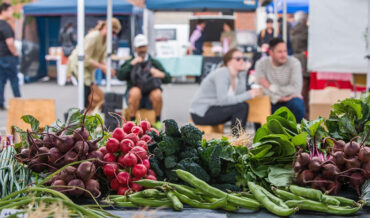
x: 300, y: 139
x: 263, y: 151
x: 227, y: 153
x: 280, y: 177
x: 261, y: 132
x: 286, y: 113
x: 214, y: 163
x: 29, y: 119
x: 74, y: 115
x: 350, y: 107
x: 312, y: 126
x: 260, y: 171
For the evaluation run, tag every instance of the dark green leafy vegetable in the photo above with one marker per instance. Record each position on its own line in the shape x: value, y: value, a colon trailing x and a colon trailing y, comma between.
x: 171, y: 128
x: 170, y: 161
x: 191, y: 135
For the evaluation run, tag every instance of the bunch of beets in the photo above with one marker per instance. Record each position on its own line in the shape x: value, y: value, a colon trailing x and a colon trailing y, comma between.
x: 48, y: 152
x: 126, y: 156
x: 347, y: 163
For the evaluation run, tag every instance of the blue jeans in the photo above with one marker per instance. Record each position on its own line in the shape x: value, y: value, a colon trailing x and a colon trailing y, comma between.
x: 295, y: 105
x: 8, y: 70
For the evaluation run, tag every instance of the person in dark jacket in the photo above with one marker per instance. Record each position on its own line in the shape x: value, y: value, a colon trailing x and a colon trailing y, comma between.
x: 133, y: 70
x: 197, y: 38
x: 266, y: 34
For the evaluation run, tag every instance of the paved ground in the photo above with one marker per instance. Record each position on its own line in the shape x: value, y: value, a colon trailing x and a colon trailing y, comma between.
x: 177, y: 98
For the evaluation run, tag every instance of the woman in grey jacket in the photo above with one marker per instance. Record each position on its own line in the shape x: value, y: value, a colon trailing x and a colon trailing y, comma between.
x: 222, y: 94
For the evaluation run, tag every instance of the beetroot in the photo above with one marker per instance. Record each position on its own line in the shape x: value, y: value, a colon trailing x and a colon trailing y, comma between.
x: 54, y: 155
x: 352, y: 148
x: 315, y: 164
x: 297, y: 167
x: 128, y: 126
x: 118, y: 134
x: 68, y: 174
x: 126, y: 145
x: 70, y: 157
x: 76, y: 191
x: 330, y: 171
x: 25, y: 153
x: 364, y: 154
x: 303, y: 159
x: 339, y: 158
x: 353, y: 163
x: 333, y: 188
x: 93, y: 186
x: 96, y: 154
x: 58, y: 182
x: 64, y: 143
x: 338, y: 145
x: 81, y: 148
x: 81, y: 134
x: 42, y: 155
x: 357, y: 180
x: 112, y: 145
x: 86, y: 170
x: 304, y: 177
x: 319, y: 183
x: 366, y: 168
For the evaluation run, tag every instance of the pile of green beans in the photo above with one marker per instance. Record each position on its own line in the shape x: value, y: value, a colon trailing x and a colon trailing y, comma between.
x: 14, y: 176
x: 171, y: 195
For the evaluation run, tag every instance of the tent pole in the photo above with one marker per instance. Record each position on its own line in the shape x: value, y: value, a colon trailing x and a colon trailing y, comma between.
x: 285, y: 30
x: 368, y: 49
x: 109, y: 44
x: 80, y: 44
x: 275, y: 19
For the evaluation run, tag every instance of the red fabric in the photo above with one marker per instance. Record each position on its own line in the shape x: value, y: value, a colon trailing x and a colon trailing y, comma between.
x: 321, y: 84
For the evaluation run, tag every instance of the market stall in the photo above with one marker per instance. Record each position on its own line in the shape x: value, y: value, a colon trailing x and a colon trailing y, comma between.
x: 315, y: 168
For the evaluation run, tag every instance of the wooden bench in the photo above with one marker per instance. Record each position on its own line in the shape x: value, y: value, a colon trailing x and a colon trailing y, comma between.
x: 141, y: 114
x: 259, y: 109
x: 208, y: 129
x: 42, y: 109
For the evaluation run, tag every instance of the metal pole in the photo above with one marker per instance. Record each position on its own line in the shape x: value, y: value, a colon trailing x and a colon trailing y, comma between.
x: 368, y: 49
x: 109, y: 43
x: 80, y: 44
x: 285, y: 28
x: 275, y: 19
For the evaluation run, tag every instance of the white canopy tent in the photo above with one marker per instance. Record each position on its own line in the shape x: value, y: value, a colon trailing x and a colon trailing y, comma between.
x: 339, y: 36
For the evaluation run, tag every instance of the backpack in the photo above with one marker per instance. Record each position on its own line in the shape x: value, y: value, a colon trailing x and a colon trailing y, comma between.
x: 142, y: 78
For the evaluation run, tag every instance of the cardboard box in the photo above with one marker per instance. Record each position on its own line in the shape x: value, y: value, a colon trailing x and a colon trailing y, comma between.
x: 322, y: 100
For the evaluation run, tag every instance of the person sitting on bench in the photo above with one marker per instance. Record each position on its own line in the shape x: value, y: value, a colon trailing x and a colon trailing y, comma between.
x: 144, y: 76
x: 222, y: 94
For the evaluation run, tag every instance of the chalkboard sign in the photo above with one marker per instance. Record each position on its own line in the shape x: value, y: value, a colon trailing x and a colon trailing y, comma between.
x: 210, y: 64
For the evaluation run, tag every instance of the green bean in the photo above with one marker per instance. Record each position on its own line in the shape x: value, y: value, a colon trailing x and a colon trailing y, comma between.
x: 16, y: 204
x: 152, y: 193
x: 247, y: 194
x: 228, y: 207
x: 273, y: 198
x: 194, y: 203
x: 37, y: 189
x: 308, y: 205
x: 345, y: 201
x: 125, y: 204
x: 11, y: 200
x: 309, y: 193
x: 286, y: 195
x: 150, y: 202
x: 5, y: 191
x: 119, y: 199
x: 214, y: 192
x: 335, y: 210
x: 330, y: 200
x: 176, y: 203
x: 267, y: 203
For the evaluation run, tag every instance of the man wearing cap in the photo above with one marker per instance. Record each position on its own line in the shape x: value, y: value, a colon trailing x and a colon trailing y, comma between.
x: 266, y: 34
x: 144, y: 76
x: 95, y: 47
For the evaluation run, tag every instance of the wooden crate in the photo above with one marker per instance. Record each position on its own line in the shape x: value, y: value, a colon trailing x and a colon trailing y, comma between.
x: 41, y: 109
x: 259, y: 109
x: 142, y: 114
x: 208, y: 129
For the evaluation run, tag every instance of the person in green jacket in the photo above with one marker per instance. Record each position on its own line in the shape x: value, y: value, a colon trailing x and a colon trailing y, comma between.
x: 144, y: 76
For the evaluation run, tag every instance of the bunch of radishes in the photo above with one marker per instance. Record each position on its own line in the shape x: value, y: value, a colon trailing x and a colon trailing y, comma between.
x: 49, y: 151
x: 347, y: 163
x: 127, y: 158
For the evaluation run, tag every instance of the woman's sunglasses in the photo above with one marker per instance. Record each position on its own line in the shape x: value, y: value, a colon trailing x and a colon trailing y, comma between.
x: 240, y: 58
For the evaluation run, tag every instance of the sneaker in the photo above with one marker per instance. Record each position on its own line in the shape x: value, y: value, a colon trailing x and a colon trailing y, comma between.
x: 3, y: 108
x: 158, y: 125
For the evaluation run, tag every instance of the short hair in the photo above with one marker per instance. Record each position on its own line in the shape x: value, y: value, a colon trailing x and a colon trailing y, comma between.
x: 228, y: 56
x: 4, y: 6
x: 274, y: 42
x: 200, y: 21
x: 229, y: 24
x: 269, y: 20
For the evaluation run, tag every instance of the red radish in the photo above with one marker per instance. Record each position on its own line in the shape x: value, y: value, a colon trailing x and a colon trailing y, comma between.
x: 128, y: 126
x: 103, y: 150
x: 136, y: 187
x: 128, y: 160
x: 154, y: 130
x: 140, y: 152
x: 147, y: 139
x: 118, y: 134
x: 126, y: 145
x: 133, y: 137
x: 114, y: 184
x: 110, y: 169
x: 146, y: 163
x: 151, y: 173
x: 112, y: 145
x: 109, y: 157
x: 139, y: 170
x: 124, y: 178
x: 142, y: 144
x: 145, y: 125
x: 122, y: 190
x: 151, y: 177
x: 137, y: 130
